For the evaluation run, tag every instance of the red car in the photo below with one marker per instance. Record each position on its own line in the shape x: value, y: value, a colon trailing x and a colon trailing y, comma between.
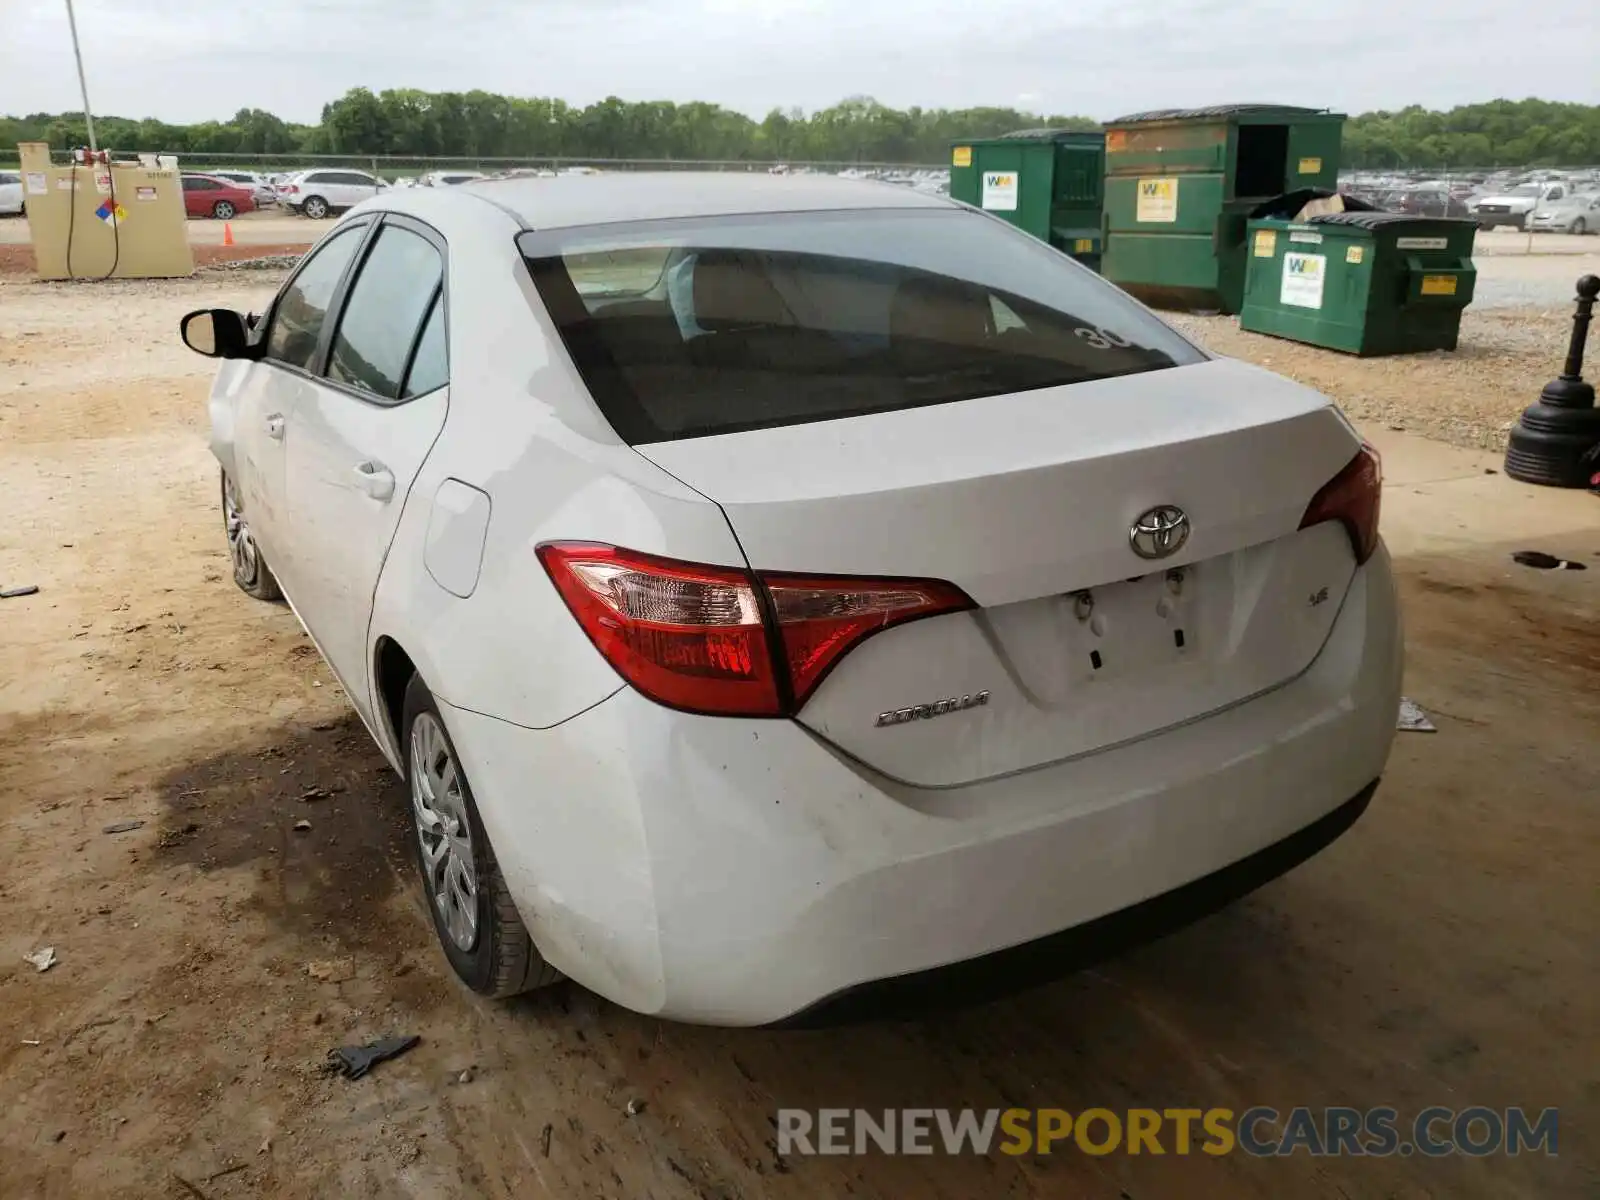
x: 208, y: 196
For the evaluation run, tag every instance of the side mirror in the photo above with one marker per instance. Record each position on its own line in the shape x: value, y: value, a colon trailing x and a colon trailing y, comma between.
x: 216, y: 333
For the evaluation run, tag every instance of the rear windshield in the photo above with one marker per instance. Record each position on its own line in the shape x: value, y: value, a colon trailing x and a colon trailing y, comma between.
x: 687, y: 328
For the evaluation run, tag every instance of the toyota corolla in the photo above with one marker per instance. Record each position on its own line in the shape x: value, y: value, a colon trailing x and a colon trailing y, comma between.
x: 788, y: 595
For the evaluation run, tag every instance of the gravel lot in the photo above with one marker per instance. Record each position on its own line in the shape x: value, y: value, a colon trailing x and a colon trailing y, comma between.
x: 1470, y: 397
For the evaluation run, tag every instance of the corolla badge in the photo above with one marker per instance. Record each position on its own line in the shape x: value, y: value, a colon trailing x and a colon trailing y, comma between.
x: 926, y: 712
x: 1159, y: 532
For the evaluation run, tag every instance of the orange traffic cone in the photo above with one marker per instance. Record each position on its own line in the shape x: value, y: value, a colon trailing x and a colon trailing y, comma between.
x: 227, y: 233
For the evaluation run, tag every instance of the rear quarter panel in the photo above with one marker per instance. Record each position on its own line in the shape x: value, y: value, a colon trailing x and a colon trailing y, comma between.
x: 522, y: 430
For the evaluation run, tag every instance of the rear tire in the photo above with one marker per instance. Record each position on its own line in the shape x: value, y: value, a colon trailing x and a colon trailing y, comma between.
x: 482, y: 935
x: 222, y: 210
x: 1578, y: 227
x: 250, y: 570
x: 315, y: 207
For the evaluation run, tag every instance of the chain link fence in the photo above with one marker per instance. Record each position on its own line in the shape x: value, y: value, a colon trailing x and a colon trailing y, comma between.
x: 393, y: 167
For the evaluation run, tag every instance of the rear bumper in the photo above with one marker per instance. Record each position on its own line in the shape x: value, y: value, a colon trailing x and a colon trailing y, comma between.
x: 1006, y: 971
x: 741, y: 872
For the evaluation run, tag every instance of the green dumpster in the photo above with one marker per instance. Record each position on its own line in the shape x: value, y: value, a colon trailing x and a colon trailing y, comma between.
x: 1181, y: 183
x: 1367, y: 283
x: 1047, y: 182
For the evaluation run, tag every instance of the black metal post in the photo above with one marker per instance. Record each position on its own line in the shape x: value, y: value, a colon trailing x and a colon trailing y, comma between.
x: 1557, y: 441
x: 1588, y: 289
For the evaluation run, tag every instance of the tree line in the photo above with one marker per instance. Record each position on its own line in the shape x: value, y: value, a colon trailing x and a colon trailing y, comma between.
x: 477, y: 124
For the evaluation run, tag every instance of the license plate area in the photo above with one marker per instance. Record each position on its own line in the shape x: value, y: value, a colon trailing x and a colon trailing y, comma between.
x: 1132, y: 626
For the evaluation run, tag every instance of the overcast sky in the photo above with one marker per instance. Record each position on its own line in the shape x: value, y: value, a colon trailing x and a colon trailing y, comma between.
x: 184, y: 60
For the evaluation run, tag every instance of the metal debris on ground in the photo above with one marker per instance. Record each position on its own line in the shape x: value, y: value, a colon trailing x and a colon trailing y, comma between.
x: 123, y: 827
x: 355, y: 1061
x: 43, y: 959
x: 1413, y: 719
x: 18, y: 592
x: 1541, y: 561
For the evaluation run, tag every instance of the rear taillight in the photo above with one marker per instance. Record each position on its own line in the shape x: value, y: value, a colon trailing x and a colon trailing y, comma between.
x: 290, y: 188
x: 1352, y: 497
x: 702, y: 638
x: 821, y: 618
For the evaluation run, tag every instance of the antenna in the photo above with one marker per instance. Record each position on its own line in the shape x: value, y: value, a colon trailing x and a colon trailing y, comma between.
x: 83, y: 86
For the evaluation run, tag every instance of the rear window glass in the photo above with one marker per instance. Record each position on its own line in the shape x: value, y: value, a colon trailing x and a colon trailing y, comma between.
x: 691, y: 328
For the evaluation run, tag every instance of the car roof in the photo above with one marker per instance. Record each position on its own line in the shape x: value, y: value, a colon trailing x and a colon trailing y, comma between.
x: 611, y: 198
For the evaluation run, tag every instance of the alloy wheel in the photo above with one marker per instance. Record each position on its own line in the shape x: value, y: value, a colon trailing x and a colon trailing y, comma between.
x: 443, y: 831
x: 242, y: 549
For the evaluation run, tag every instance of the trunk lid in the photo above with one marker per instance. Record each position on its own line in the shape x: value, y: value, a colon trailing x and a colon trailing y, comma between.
x: 1026, y: 502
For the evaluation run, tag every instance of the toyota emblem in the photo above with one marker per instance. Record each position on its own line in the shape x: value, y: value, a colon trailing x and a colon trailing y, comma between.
x: 1159, y: 533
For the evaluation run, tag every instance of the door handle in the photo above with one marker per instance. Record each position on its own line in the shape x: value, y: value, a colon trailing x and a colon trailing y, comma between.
x: 376, y: 480
x: 275, y: 427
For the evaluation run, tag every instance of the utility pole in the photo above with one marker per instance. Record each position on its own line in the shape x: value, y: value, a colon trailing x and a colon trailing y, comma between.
x: 83, y: 86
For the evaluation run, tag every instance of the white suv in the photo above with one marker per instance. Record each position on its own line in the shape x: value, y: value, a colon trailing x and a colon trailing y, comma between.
x: 315, y: 194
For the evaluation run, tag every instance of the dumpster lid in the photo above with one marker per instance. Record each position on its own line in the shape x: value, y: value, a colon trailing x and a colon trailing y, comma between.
x: 1377, y: 220
x: 1217, y: 110
x: 1052, y: 135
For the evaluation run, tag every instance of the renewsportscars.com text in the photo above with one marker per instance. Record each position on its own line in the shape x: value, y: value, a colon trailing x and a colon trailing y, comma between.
x: 1433, y: 1132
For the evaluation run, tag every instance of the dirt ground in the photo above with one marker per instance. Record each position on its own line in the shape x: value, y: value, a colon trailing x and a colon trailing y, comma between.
x: 1469, y: 397
x: 1443, y: 952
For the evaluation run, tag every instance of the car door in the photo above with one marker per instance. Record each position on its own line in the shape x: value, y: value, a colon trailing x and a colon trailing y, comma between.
x: 264, y: 395
x: 361, y: 433
x: 193, y: 196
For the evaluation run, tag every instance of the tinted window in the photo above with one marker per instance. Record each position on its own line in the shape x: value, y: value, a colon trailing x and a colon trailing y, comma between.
x: 431, y: 367
x: 6, y: 178
x: 379, y: 326
x: 298, y: 316
x: 349, y: 177
x: 696, y: 327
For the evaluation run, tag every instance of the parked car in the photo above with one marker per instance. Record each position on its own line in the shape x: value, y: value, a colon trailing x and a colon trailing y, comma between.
x: 11, y: 202
x: 1432, y: 202
x: 1579, y: 213
x: 1512, y: 207
x: 211, y: 196
x: 775, y: 591
x: 450, y: 178
x: 260, y: 187
x: 318, y: 193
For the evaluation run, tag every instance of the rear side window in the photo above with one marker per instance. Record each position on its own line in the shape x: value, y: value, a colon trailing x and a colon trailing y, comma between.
x: 382, y: 317
x: 297, y: 318
x: 430, y: 366
x: 691, y: 328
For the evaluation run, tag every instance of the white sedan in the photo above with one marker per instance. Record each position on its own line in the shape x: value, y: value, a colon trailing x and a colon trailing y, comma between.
x: 789, y: 596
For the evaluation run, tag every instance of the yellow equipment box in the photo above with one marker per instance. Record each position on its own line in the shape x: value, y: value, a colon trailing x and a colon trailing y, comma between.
x: 104, y: 221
